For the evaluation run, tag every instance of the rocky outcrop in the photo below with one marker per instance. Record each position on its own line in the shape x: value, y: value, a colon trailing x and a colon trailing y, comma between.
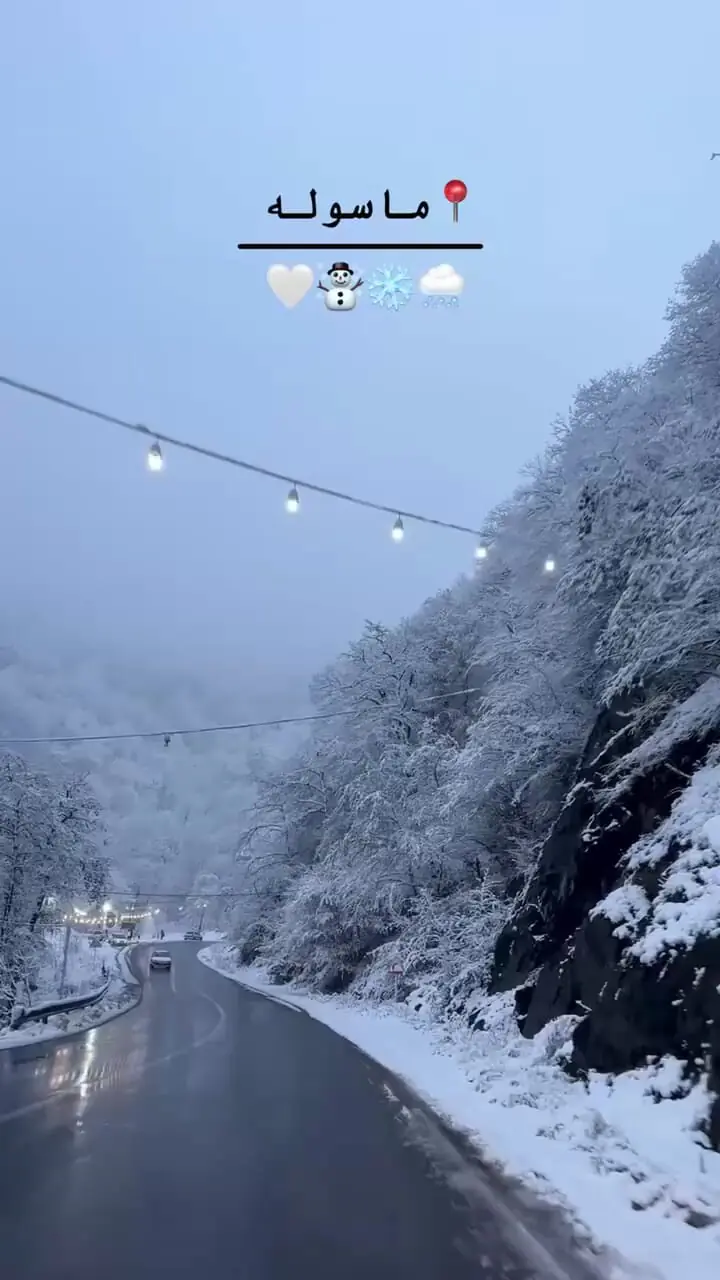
x: 642, y: 1011
x: 565, y: 959
x: 581, y: 858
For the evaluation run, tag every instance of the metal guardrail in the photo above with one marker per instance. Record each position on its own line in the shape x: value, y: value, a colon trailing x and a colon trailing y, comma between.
x: 41, y: 1012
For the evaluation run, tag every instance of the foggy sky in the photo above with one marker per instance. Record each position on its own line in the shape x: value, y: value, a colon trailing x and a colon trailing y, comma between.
x: 141, y: 141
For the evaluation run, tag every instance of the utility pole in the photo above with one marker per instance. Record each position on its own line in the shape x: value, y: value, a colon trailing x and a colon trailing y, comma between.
x: 63, y: 971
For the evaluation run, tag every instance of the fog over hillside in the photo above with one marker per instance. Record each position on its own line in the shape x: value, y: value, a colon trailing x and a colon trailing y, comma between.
x: 171, y: 812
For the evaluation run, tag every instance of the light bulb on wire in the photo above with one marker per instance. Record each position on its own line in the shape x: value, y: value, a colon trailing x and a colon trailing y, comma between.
x: 481, y: 551
x: 549, y: 565
x: 292, y: 502
x: 155, y: 460
x: 398, y: 530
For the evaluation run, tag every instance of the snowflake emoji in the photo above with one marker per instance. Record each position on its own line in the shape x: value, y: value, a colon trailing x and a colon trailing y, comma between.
x: 390, y: 287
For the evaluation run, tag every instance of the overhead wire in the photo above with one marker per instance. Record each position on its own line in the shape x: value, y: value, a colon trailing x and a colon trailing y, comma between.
x: 230, y: 460
x: 168, y: 734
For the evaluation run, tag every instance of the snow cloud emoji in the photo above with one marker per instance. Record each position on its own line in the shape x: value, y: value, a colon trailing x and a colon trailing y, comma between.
x: 442, y: 281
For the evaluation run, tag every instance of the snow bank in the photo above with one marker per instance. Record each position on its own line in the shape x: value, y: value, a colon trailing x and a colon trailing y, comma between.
x: 622, y: 1156
x: 83, y: 975
x: 126, y: 972
x: 84, y: 972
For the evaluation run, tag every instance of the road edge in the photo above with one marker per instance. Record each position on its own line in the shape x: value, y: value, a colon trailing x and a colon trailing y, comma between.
x: 555, y: 1239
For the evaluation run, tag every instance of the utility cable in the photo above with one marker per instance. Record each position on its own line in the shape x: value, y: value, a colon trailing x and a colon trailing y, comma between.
x: 168, y: 734
x: 171, y: 733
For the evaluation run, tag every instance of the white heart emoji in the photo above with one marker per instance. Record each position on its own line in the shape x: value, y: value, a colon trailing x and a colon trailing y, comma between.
x: 290, y: 284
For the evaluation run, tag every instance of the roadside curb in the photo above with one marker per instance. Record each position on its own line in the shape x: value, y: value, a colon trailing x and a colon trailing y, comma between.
x: 259, y: 991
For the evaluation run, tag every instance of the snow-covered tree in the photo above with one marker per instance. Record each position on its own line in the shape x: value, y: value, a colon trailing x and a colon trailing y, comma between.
x: 49, y: 847
x: 407, y: 821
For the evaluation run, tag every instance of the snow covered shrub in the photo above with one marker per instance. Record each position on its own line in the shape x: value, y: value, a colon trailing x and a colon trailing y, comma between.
x: 448, y: 942
x: 318, y: 938
x: 249, y: 942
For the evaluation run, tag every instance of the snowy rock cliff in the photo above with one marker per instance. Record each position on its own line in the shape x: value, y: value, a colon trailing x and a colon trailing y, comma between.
x: 620, y: 924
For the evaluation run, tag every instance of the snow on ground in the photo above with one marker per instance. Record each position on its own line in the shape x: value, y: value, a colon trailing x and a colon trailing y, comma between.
x: 84, y: 966
x: 84, y: 974
x: 622, y: 1156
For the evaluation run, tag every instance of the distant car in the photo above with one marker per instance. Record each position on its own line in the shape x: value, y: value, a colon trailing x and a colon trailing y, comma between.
x: 193, y: 935
x: 160, y: 960
x: 118, y: 940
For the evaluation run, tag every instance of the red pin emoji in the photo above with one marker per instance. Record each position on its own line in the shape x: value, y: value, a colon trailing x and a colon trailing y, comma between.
x: 455, y: 191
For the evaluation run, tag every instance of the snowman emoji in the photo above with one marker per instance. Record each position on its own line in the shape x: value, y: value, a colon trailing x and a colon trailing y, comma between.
x: 341, y: 297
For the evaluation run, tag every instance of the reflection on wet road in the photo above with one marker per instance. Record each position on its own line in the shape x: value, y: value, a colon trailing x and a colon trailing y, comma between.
x: 212, y: 1129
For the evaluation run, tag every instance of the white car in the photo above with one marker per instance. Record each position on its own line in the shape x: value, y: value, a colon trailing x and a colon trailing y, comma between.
x: 160, y: 960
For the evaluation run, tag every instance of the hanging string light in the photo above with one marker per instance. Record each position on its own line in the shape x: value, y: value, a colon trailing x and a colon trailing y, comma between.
x: 228, y: 459
x: 155, y: 460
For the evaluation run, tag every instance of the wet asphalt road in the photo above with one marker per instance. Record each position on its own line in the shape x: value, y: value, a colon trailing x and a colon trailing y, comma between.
x: 213, y: 1132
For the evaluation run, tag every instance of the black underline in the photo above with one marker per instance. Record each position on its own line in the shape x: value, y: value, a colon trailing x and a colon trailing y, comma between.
x: 330, y: 248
